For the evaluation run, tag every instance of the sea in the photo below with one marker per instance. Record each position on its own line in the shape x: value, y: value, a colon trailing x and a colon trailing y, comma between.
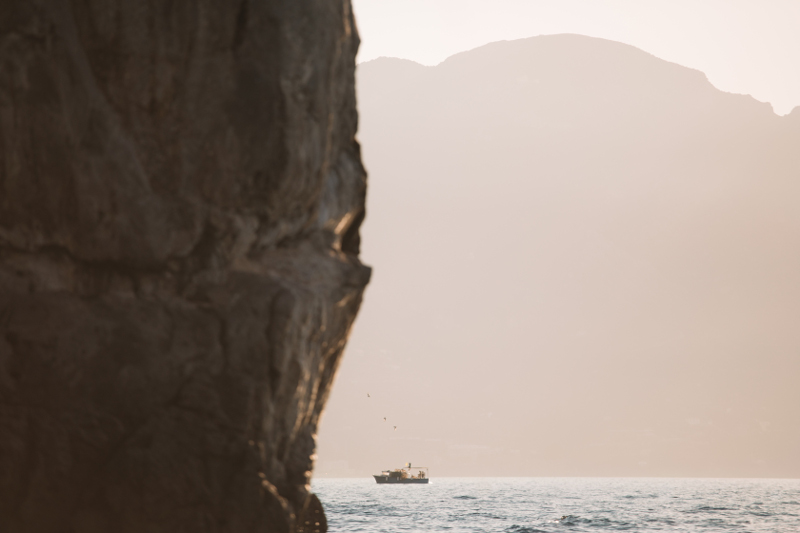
x: 553, y: 505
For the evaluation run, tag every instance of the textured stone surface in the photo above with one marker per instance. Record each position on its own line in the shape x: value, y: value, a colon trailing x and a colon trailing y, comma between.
x: 180, y: 197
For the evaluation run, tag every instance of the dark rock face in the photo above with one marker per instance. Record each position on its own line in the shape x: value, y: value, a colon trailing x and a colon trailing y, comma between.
x: 180, y: 197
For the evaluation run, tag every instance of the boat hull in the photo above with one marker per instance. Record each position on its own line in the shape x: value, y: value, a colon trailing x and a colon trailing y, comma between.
x: 398, y: 481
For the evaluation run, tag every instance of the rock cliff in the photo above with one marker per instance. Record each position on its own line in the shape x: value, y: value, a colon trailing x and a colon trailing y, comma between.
x: 180, y: 198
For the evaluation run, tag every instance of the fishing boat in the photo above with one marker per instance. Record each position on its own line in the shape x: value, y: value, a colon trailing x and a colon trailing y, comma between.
x: 403, y: 475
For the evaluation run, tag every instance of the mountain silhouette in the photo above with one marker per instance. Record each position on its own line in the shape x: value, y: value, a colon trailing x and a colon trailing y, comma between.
x: 594, y: 246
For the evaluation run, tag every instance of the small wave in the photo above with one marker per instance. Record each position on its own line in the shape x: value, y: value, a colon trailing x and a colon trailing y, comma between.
x: 464, y: 497
x: 567, y: 518
x: 639, y: 496
x: 572, y: 520
x: 484, y: 514
x: 707, y: 509
x: 524, y: 529
x: 665, y: 521
x: 760, y: 513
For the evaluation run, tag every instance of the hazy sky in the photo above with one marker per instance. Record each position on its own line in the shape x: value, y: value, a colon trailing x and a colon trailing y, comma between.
x: 585, y: 264
x: 744, y: 46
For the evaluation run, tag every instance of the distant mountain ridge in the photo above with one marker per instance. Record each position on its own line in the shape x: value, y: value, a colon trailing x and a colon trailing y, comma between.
x: 586, y: 53
x: 604, y: 244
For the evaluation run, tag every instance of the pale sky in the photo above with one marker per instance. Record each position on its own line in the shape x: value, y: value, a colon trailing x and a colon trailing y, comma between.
x: 743, y: 46
x: 585, y: 258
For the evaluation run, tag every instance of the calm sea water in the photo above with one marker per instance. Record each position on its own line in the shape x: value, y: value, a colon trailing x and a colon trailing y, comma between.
x: 528, y: 505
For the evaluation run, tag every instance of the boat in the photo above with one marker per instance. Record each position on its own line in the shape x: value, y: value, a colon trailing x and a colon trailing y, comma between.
x: 403, y: 475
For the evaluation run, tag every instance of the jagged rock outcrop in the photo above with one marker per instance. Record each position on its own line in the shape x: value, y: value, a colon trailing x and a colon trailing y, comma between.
x: 180, y: 198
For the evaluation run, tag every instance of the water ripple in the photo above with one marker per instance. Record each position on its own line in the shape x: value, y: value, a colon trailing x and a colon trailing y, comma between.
x: 553, y: 505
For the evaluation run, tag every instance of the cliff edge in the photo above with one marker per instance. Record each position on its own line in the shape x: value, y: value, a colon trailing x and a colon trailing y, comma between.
x: 180, y: 198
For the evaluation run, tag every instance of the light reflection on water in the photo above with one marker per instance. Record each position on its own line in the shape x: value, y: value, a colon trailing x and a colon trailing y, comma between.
x: 528, y: 505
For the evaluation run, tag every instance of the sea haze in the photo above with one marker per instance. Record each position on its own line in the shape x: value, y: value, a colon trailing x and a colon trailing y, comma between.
x: 551, y: 505
x: 586, y: 264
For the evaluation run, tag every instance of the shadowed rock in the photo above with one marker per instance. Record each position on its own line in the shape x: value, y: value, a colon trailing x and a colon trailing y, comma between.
x: 180, y: 198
